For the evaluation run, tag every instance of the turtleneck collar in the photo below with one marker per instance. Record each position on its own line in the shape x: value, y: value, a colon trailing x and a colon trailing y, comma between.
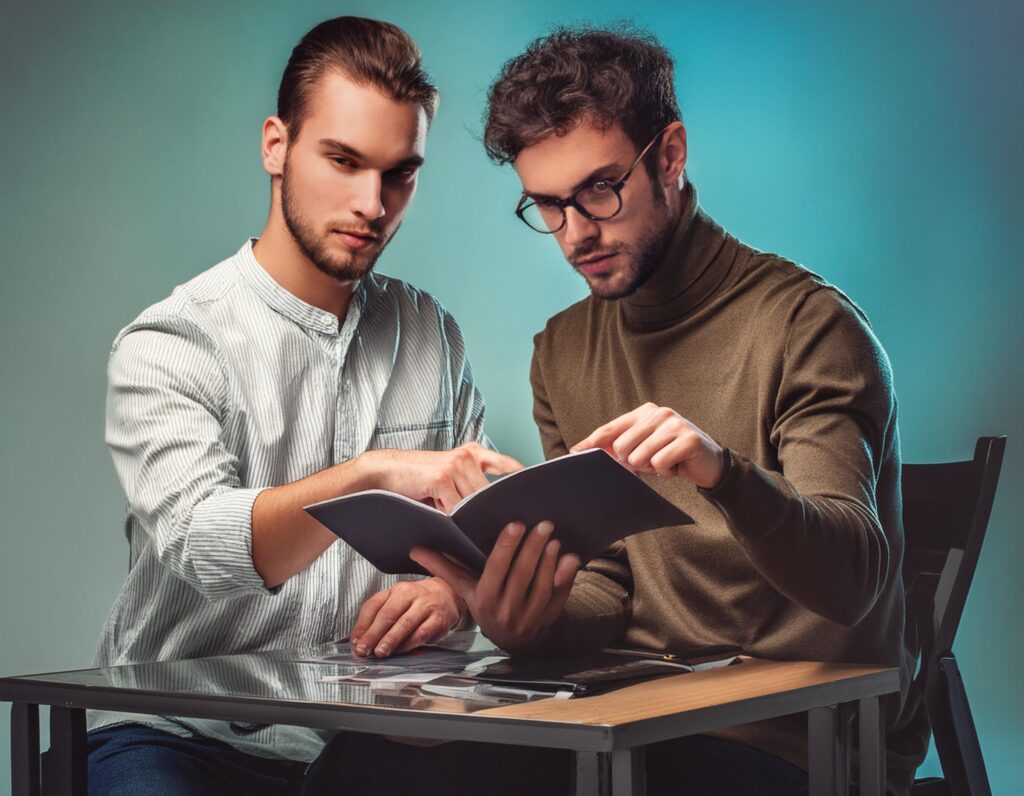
x: 696, y: 260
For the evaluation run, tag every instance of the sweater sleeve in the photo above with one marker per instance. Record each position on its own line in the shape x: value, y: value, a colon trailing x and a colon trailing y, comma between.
x: 813, y: 530
x: 598, y: 608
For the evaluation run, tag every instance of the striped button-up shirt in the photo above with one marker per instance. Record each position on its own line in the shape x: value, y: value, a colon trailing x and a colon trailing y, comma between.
x: 232, y: 385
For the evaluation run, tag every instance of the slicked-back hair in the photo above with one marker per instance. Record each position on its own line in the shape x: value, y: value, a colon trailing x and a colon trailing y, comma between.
x: 621, y: 77
x: 367, y: 51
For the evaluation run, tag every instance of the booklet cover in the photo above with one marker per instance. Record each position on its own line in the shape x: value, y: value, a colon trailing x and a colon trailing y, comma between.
x: 591, y: 499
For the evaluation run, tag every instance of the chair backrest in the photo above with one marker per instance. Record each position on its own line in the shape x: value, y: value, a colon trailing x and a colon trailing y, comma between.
x: 946, y: 508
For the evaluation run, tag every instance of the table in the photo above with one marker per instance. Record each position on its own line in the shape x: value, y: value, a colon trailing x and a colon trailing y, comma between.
x: 607, y: 732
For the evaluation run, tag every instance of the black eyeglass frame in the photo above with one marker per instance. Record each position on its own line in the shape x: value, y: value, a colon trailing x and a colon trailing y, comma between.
x: 570, y: 201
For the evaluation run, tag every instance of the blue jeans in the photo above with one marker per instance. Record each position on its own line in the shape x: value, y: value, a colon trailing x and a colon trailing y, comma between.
x: 133, y: 760
x: 139, y: 760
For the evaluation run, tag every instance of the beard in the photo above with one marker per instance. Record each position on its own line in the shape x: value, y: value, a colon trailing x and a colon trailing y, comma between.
x: 640, y: 259
x: 342, y: 267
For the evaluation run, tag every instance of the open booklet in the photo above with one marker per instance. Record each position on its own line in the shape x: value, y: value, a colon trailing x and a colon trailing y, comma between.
x: 591, y: 499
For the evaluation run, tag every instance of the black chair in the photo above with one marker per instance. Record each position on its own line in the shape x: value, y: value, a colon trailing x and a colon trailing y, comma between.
x: 946, y: 509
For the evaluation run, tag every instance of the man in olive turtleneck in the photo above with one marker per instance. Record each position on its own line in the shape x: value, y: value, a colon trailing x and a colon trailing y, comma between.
x: 741, y: 386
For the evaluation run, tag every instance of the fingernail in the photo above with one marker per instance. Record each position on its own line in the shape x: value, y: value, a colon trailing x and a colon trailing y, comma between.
x: 383, y: 650
x: 353, y: 642
x: 363, y: 650
x: 545, y: 528
x: 515, y: 529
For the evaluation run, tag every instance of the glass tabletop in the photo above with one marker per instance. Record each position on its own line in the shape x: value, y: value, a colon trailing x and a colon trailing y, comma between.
x: 425, y: 679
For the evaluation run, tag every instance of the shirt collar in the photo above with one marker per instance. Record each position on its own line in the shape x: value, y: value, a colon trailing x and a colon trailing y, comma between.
x: 286, y: 303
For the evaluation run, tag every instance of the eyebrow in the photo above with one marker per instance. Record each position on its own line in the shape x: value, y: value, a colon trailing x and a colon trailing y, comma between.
x: 413, y: 161
x: 593, y: 176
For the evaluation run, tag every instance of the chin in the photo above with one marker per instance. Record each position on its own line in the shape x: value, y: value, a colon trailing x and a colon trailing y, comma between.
x: 615, y: 287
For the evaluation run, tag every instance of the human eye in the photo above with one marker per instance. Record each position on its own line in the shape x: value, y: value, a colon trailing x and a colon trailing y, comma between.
x: 404, y: 174
x: 342, y: 162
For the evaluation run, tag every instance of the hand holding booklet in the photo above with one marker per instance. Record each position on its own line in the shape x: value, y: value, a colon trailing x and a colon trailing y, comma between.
x: 592, y: 500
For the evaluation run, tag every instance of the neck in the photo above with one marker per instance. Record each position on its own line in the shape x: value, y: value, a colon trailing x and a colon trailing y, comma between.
x: 694, y: 262
x: 281, y: 257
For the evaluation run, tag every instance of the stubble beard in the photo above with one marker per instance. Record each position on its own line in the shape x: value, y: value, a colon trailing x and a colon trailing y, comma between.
x: 343, y: 268
x: 641, y: 259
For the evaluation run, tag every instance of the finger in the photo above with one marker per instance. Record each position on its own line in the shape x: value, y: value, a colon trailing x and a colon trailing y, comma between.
x: 455, y: 575
x: 603, y: 435
x: 641, y: 429
x: 433, y: 627
x: 640, y: 458
x: 468, y: 478
x: 402, y: 629
x: 671, y: 459
x: 492, y: 581
x: 366, y: 616
x: 565, y: 573
x: 494, y: 462
x: 447, y: 496
x: 389, y: 613
x: 543, y: 583
x: 524, y: 568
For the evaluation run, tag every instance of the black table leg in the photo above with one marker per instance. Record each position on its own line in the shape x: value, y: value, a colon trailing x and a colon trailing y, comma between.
x: 828, y: 750
x: 618, y: 773
x: 871, y: 746
x: 67, y: 760
x: 24, y: 749
x: 629, y: 776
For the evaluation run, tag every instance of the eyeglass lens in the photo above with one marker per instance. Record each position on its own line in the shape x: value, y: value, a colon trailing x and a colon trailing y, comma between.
x: 599, y: 201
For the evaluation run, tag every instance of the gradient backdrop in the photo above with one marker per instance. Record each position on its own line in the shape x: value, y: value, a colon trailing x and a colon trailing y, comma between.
x: 880, y: 145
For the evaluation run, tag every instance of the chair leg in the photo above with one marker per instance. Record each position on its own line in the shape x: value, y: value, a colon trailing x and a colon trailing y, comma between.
x: 956, y: 738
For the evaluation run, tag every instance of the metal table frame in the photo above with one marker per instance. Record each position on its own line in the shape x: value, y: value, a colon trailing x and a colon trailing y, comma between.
x: 609, y: 758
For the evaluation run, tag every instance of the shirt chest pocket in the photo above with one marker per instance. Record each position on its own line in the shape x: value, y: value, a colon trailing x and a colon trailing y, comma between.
x: 432, y: 435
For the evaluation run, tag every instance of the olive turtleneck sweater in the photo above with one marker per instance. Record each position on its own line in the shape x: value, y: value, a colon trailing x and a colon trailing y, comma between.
x: 797, y: 553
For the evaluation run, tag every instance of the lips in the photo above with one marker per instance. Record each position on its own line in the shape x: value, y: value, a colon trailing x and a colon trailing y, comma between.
x: 595, y: 264
x: 356, y: 240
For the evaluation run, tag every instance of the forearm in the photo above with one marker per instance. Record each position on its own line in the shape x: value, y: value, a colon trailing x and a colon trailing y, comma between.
x: 827, y: 553
x: 285, y: 539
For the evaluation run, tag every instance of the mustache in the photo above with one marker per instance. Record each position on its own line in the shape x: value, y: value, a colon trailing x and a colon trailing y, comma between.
x: 372, y: 231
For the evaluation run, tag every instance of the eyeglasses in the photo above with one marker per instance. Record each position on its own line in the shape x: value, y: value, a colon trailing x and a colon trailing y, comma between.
x: 599, y: 201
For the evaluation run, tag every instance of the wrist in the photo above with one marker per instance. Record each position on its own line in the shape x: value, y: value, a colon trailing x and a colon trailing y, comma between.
x: 369, y: 470
x: 462, y: 618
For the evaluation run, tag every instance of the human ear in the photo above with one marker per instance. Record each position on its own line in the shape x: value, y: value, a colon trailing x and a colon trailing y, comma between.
x: 672, y: 154
x: 274, y: 145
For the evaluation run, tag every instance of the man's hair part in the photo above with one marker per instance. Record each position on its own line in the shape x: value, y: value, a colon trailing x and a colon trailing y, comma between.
x: 367, y: 51
x: 603, y: 77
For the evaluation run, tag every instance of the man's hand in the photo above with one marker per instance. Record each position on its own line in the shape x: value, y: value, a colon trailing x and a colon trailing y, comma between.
x: 406, y: 616
x: 656, y: 439
x: 442, y: 478
x: 518, y: 596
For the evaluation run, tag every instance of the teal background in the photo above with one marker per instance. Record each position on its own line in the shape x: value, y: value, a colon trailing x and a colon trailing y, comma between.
x: 879, y: 144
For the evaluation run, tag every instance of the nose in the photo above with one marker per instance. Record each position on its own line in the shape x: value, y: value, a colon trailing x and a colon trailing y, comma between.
x: 578, y: 228
x: 367, y: 199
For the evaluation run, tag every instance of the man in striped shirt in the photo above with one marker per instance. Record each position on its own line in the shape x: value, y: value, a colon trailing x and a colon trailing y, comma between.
x: 287, y: 374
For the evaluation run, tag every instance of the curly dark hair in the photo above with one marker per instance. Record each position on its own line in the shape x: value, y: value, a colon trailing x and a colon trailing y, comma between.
x: 368, y: 51
x: 605, y: 77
